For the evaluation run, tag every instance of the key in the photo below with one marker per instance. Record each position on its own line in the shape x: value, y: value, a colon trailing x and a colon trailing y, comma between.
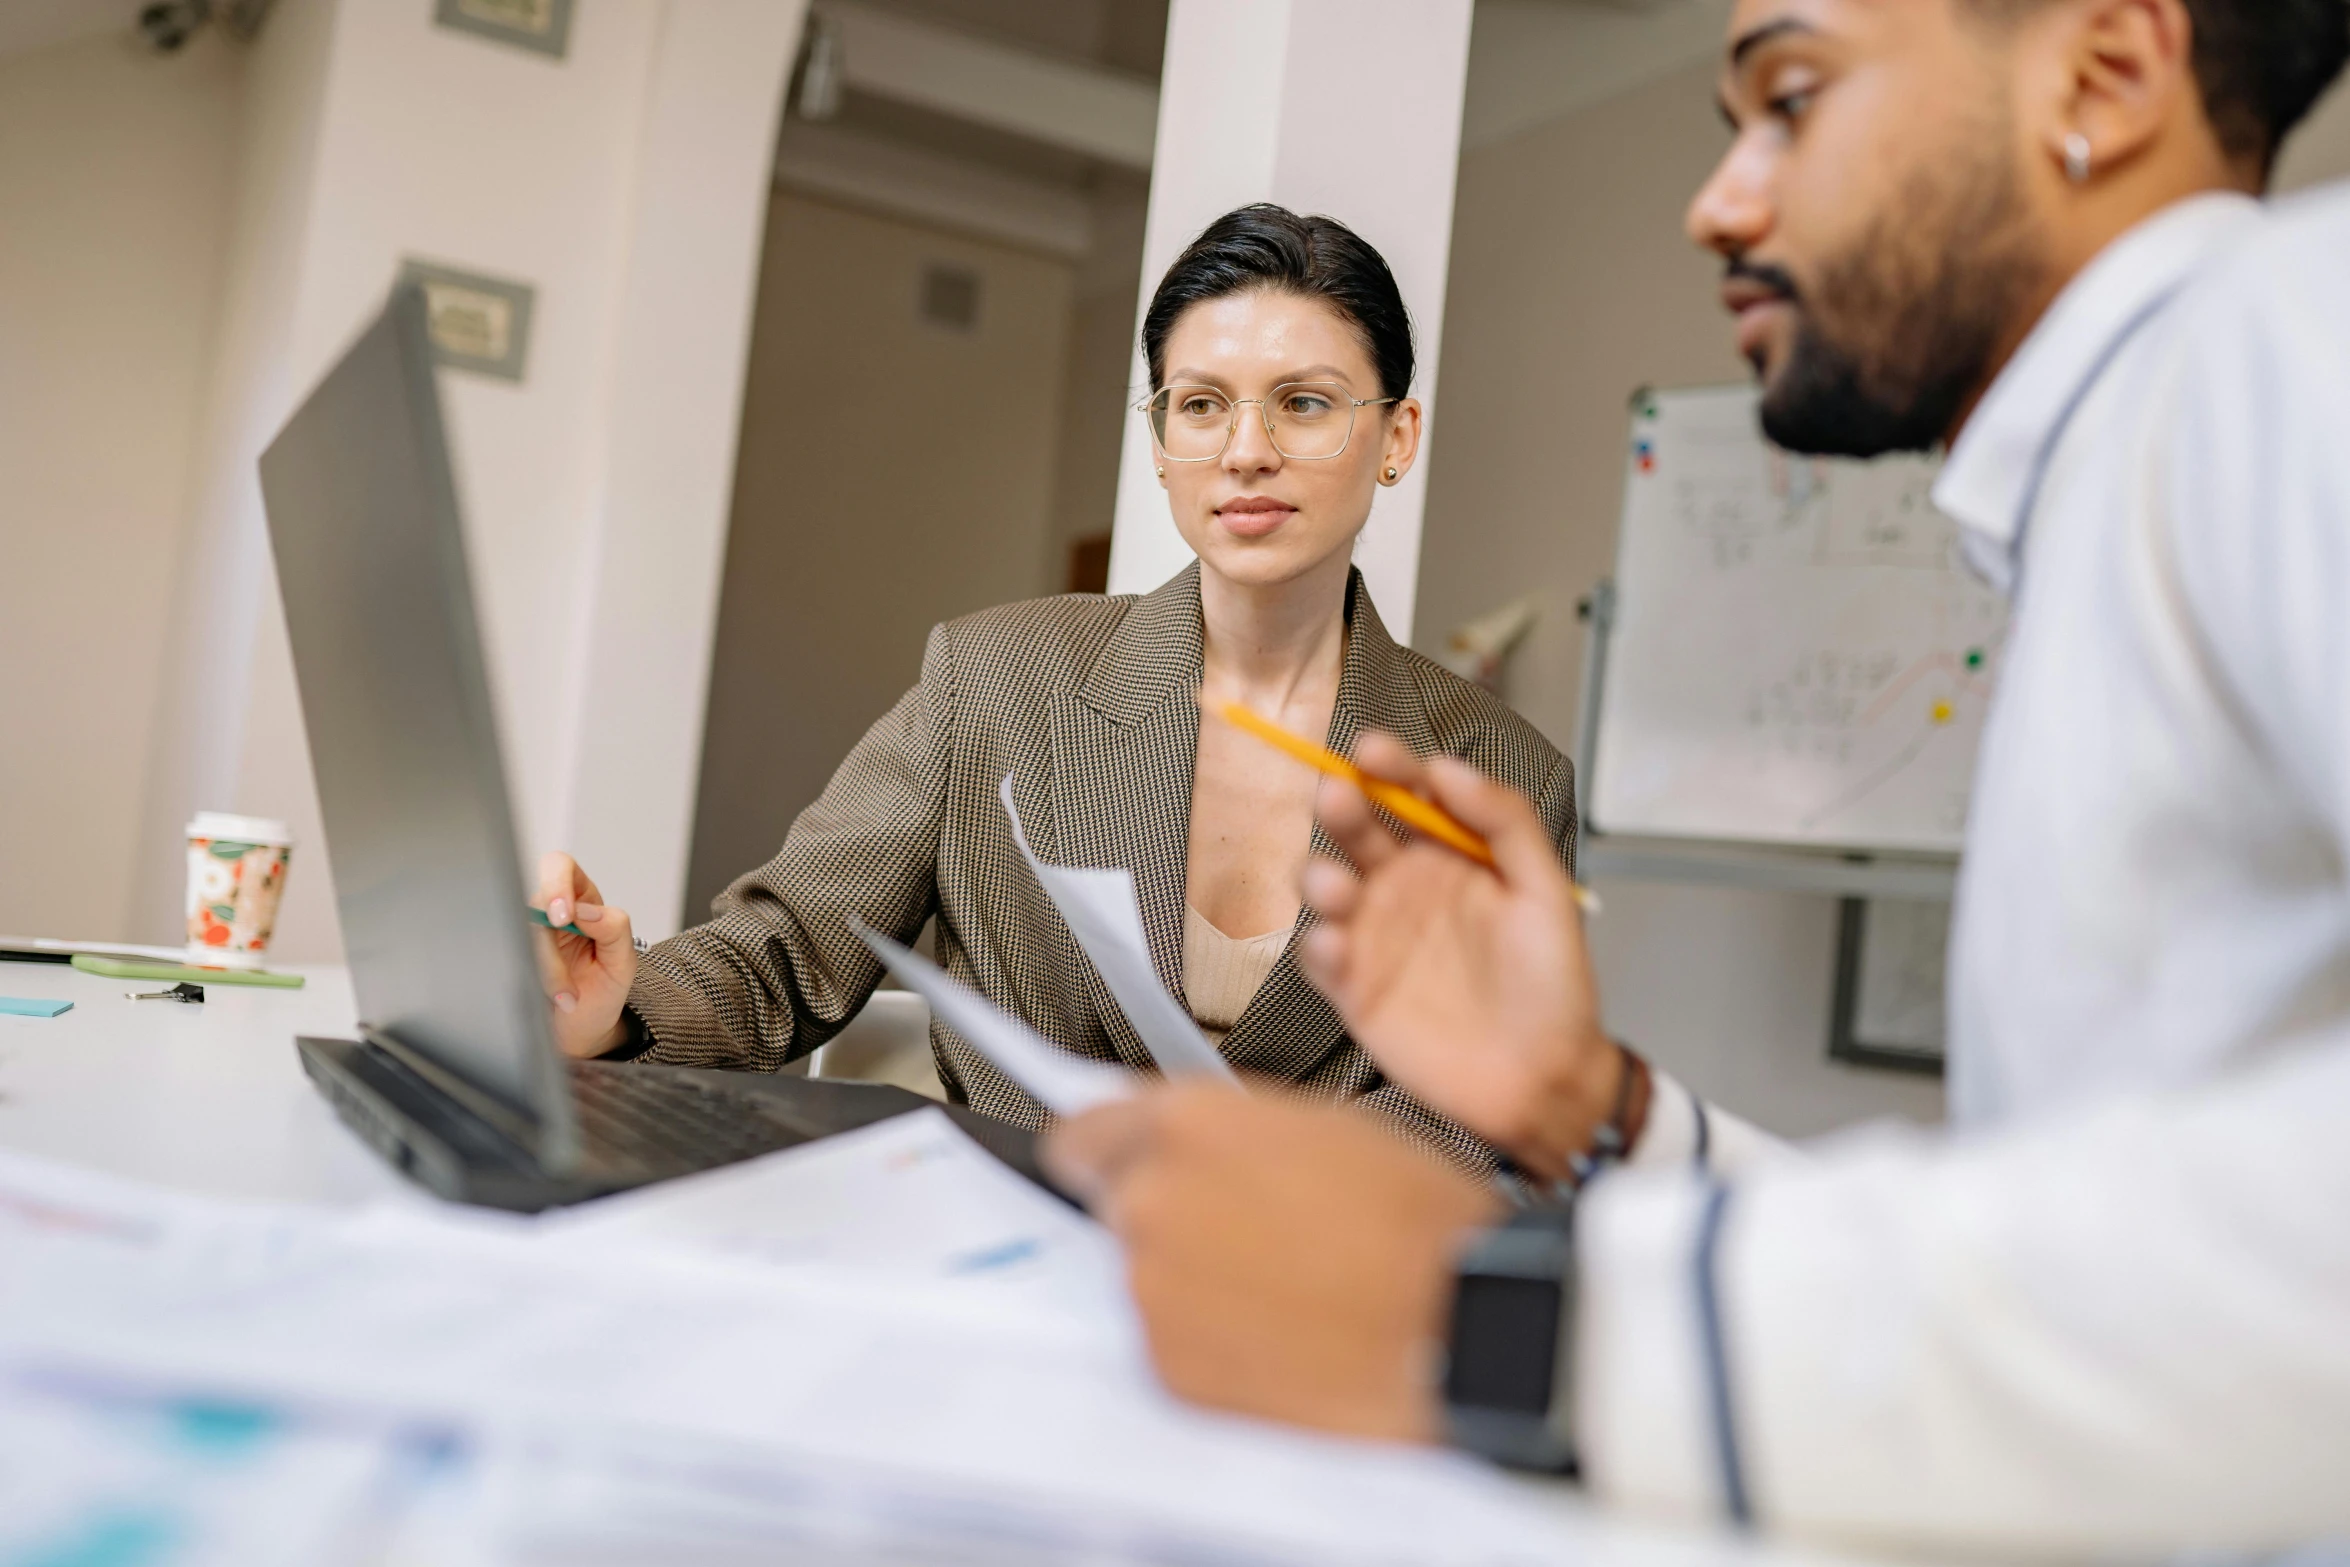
x: 186, y: 990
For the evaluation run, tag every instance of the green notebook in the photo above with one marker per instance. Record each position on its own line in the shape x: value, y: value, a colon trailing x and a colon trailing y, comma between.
x: 141, y: 968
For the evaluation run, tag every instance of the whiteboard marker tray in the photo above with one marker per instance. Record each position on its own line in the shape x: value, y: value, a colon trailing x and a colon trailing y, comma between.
x: 1919, y: 878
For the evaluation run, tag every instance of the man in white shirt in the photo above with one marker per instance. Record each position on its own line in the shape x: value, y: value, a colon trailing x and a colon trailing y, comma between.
x: 2112, y: 1313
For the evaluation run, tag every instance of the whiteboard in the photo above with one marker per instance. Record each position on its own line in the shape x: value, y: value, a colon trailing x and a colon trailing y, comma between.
x: 1797, y: 654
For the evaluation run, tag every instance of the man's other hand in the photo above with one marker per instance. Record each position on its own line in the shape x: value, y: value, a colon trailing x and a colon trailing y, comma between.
x: 1471, y: 988
x: 1290, y: 1260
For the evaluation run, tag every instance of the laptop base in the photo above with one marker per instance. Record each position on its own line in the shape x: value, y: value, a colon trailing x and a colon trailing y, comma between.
x: 677, y: 1120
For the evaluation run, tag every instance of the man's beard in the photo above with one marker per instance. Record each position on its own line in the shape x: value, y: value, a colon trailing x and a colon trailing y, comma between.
x: 1914, y: 315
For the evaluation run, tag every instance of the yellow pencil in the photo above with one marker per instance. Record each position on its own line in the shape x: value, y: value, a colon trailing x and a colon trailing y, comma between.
x: 1407, y: 807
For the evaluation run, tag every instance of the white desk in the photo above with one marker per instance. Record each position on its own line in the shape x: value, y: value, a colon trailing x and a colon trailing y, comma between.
x: 207, y: 1098
x: 212, y: 1099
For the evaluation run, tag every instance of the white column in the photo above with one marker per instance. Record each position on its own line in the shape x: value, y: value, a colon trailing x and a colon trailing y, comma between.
x: 650, y: 614
x: 1345, y: 107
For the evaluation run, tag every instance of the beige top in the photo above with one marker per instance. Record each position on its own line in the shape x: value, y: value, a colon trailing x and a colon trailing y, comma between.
x: 1222, y: 974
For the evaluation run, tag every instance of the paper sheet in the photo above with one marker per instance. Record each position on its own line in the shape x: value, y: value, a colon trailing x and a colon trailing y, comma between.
x: 754, y: 1412
x: 1063, y: 1083
x: 1106, y: 917
x: 911, y: 1199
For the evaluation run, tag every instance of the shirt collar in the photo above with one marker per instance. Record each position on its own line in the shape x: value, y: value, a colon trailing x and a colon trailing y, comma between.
x: 1987, y: 483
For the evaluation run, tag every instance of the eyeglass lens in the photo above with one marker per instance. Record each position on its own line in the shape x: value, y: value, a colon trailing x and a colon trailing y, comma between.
x: 1307, y: 420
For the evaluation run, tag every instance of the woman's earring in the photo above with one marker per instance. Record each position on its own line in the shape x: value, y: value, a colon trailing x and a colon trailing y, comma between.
x: 1162, y: 473
x: 2079, y: 158
x: 1392, y: 476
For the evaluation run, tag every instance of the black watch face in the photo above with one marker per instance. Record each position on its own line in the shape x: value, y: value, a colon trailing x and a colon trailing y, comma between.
x: 1505, y: 1344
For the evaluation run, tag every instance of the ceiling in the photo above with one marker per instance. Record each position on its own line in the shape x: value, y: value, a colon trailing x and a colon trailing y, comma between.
x: 1124, y: 35
x: 1530, y: 60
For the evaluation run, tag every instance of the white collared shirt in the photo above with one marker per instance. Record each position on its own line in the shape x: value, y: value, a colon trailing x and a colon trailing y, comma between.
x: 2152, y: 891
x: 2112, y: 1313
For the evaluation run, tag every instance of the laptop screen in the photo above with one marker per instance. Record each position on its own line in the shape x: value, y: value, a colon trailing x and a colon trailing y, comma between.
x: 379, y: 606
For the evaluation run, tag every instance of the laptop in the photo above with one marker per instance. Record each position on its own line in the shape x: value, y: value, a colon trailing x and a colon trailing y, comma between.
x: 455, y: 1077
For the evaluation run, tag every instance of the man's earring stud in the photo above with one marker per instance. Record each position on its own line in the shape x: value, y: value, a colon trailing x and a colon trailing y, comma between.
x: 2079, y: 158
x: 1161, y: 472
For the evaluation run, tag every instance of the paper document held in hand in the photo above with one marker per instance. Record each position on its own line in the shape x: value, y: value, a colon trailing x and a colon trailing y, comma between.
x: 1063, y: 1083
x: 1105, y: 916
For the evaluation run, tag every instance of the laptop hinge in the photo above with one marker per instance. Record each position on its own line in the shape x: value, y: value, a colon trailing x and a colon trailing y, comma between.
x: 517, y: 1128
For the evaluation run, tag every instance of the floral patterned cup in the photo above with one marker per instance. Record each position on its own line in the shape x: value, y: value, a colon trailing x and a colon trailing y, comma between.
x: 236, y: 876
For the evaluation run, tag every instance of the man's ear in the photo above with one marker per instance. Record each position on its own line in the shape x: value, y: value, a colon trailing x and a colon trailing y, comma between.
x: 2121, y: 85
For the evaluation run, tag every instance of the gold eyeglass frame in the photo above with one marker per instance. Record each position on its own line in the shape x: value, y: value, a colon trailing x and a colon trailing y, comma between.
x: 1264, y: 412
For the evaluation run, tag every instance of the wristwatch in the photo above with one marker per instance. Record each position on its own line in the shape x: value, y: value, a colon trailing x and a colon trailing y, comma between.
x: 1509, y: 1370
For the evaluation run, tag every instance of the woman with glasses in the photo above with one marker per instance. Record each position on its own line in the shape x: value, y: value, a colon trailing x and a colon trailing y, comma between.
x: 1280, y: 357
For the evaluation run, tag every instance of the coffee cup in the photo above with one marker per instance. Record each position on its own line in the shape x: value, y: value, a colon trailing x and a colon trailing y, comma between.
x: 236, y: 879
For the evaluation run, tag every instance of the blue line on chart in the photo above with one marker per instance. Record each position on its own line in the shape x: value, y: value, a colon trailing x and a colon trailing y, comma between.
x: 996, y: 1256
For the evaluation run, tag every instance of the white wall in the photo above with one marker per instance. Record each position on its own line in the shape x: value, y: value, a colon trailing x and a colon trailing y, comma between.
x: 439, y: 144
x: 115, y: 177
x: 376, y: 136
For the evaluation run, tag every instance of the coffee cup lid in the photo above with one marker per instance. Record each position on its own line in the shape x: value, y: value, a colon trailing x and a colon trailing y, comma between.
x: 238, y: 829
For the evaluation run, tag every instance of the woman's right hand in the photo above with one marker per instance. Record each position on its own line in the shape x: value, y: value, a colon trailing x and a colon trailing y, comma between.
x: 588, y: 979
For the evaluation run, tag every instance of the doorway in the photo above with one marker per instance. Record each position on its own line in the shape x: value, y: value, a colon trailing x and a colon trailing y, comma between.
x: 934, y: 398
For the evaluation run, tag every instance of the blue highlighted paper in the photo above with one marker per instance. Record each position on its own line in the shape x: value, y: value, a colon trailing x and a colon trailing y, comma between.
x: 114, y: 1535
x: 20, y: 1006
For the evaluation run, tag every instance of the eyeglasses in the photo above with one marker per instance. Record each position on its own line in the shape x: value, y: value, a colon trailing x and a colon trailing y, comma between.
x: 1305, y: 420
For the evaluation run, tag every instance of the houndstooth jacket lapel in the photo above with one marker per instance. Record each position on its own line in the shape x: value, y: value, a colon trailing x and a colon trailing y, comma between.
x: 1124, y: 745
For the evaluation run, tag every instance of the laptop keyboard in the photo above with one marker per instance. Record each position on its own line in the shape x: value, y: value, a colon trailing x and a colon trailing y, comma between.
x: 654, y: 1121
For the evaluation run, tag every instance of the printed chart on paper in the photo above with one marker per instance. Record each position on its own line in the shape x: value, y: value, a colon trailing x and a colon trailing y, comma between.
x: 1798, y: 655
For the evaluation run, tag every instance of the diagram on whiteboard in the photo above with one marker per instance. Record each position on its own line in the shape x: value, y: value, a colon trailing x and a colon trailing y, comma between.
x: 1798, y: 654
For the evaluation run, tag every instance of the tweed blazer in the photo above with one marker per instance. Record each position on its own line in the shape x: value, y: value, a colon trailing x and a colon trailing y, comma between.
x: 1089, y: 703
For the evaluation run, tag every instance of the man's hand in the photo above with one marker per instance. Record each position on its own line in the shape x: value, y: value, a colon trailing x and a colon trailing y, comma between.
x: 1471, y: 988
x: 587, y: 976
x: 1290, y: 1260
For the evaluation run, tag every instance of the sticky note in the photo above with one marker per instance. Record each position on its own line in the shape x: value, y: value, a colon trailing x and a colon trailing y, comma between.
x: 19, y: 1006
